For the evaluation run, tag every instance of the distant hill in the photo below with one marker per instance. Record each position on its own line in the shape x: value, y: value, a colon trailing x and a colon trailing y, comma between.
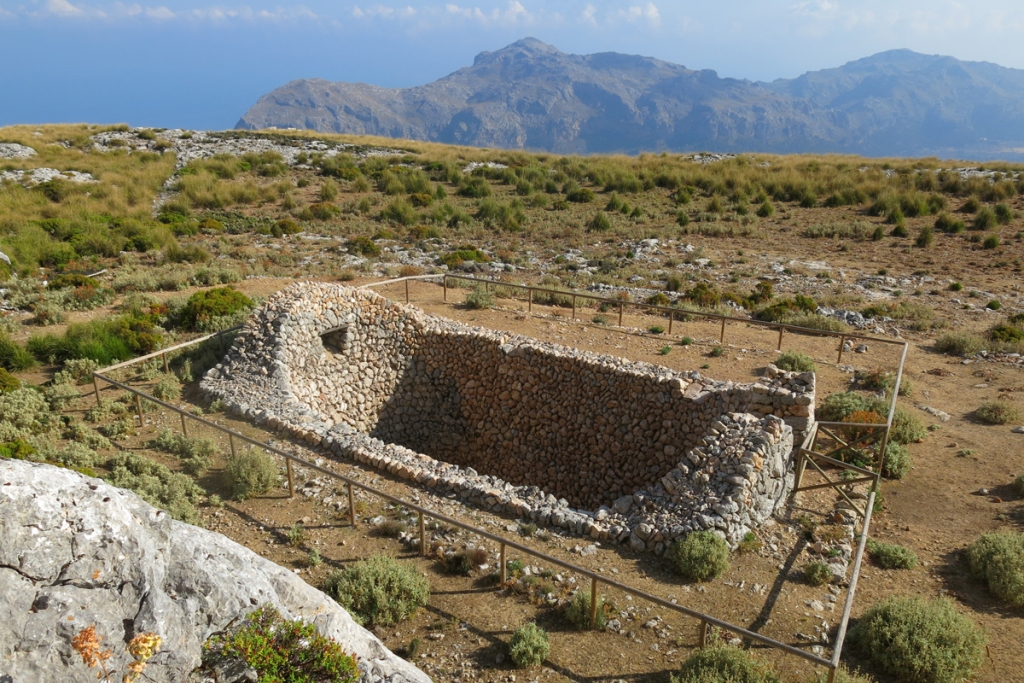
x: 530, y: 95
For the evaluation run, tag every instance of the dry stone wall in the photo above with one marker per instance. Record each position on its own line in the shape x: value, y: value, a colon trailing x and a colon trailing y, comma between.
x: 595, y: 444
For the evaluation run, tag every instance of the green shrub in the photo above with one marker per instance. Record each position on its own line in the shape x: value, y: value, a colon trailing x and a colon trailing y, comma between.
x: 104, y: 341
x: 13, y: 356
x: 985, y: 220
x: 998, y: 413
x: 194, y: 452
x: 925, y: 238
x: 464, y: 562
x: 17, y: 449
x: 73, y: 455
x: 906, y: 427
x: 959, y: 344
x: 281, y: 650
x: 722, y: 664
x: 205, y: 305
x: 250, y: 473
x: 529, y: 646
x: 794, y: 361
x: 61, y: 395
x: 700, y: 556
x: 167, y: 389
x: 8, y: 382
x: 897, y: 460
x: 76, y: 371
x: 766, y: 210
x: 948, y: 224
x: 578, y: 611
x: 891, y: 555
x: 475, y: 188
x: 716, y: 352
x: 174, y: 492
x: 919, y: 641
x: 580, y: 195
x: 1018, y: 485
x: 378, y: 591
x: 479, y: 299
x: 1004, y: 214
x: 955, y: 287
x: 817, y: 574
x: 599, y: 223
x: 991, y: 242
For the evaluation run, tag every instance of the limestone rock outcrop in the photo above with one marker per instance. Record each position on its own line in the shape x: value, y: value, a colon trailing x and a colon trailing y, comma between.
x: 75, y: 552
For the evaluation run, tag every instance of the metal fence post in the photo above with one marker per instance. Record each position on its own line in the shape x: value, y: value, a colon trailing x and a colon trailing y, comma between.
x: 423, y: 536
x: 593, y: 603
x: 291, y: 479
x: 504, y: 567
x: 351, y: 505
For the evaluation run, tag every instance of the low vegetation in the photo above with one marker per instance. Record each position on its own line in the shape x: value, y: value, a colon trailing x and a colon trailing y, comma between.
x: 723, y: 664
x: 378, y: 591
x: 919, y: 641
x: 891, y: 555
x: 252, y: 472
x: 700, y: 556
x: 529, y: 646
x: 997, y: 559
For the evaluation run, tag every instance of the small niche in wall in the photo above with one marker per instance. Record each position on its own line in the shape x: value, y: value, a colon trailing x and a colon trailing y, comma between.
x: 337, y: 340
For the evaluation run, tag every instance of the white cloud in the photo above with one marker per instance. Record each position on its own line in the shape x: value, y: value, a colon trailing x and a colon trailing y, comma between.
x: 648, y: 12
x: 160, y: 13
x: 587, y: 16
x: 515, y: 14
x: 63, y: 8
x: 384, y: 12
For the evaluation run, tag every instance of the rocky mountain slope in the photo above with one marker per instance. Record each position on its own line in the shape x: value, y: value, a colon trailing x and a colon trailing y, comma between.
x: 78, y: 552
x: 531, y: 95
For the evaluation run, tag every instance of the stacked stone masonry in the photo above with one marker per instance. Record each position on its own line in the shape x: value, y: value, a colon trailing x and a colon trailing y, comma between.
x: 594, y: 444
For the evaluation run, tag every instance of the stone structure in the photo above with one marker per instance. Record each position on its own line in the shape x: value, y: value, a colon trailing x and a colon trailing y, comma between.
x: 596, y: 444
x: 78, y: 552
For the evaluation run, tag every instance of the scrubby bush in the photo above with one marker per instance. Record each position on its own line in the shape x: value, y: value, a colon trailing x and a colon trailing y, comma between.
x: 13, y: 356
x: 1018, y: 485
x: 998, y: 413
x: 700, y: 556
x: 76, y: 371
x: 282, y: 650
x: 897, y: 460
x: 479, y: 299
x: 464, y: 562
x: 722, y: 664
x: 167, y: 389
x: 925, y: 238
x: 599, y: 223
x: 998, y: 560
x: 948, y: 224
x: 891, y: 555
x: 76, y: 456
x: 60, y: 395
x: 378, y: 591
x: 8, y: 382
x: 174, y: 492
x: 817, y: 574
x: 195, y: 453
x: 578, y: 611
x: 959, y: 344
x: 985, y: 220
x: 794, y: 361
x: 919, y: 641
x: 250, y: 473
x: 529, y: 646
x: 104, y: 341
x: 206, y: 305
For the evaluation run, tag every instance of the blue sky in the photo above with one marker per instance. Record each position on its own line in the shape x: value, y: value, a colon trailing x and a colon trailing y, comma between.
x: 201, y: 64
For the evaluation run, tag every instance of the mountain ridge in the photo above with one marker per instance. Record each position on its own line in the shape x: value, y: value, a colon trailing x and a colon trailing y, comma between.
x: 530, y: 95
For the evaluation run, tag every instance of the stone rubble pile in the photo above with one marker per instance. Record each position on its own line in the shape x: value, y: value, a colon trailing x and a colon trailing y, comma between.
x: 534, y: 430
x: 34, y: 176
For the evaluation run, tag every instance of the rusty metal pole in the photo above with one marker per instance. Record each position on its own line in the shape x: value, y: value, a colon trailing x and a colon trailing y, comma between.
x: 423, y: 536
x: 351, y: 505
x: 593, y: 603
x: 504, y: 567
x: 291, y: 479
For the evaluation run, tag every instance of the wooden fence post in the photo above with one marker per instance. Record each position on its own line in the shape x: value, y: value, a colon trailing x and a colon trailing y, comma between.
x: 529, y: 306
x: 842, y: 343
x: 703, y: 634
x: 620, y: 314
x: 671, y: 317
x: 444, y: 283
x: 351, y: 505
x: 504, y: 567
x: 184, y: 426
x: 96, y: 387
x: 291, y: 478
x: 167, y: 367
x: 574, y: 308
x: 406, y: 291
x: 138, y: 407
x: 721, y: 335
x: 781, y: 330
x: 593, y: 603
